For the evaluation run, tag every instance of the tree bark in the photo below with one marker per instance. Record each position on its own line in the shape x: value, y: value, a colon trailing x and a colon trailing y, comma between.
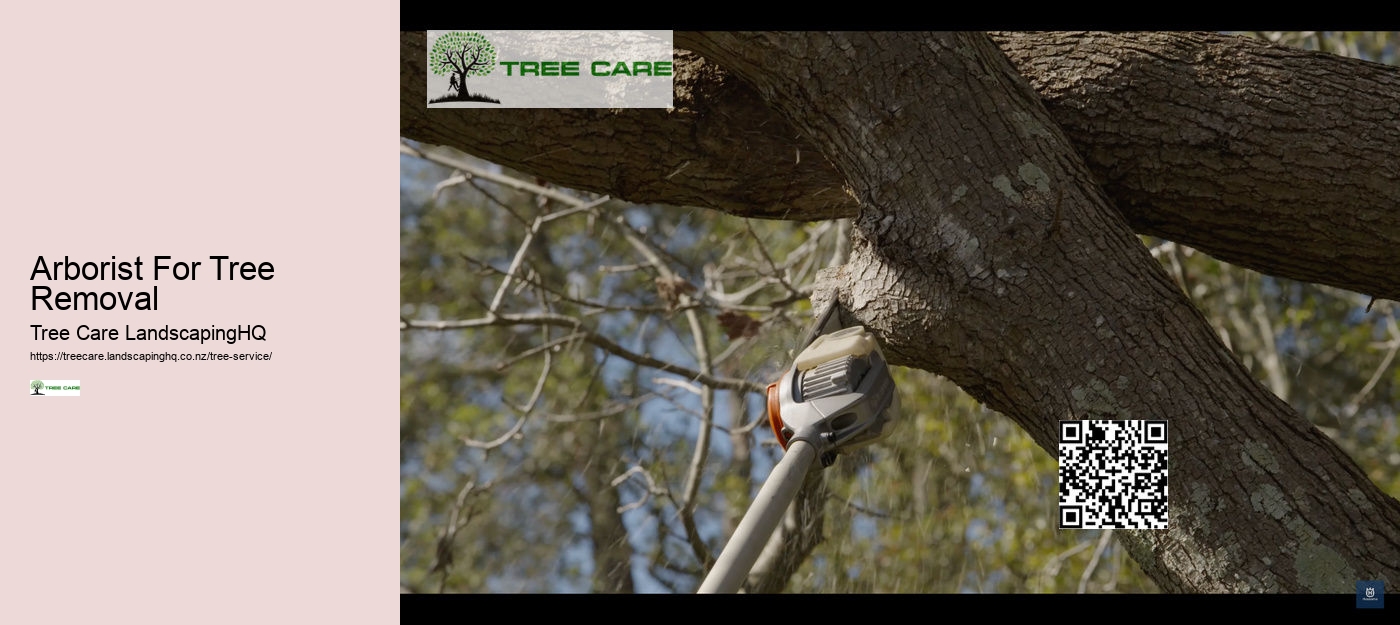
x: 986, y: 250
x: 1273, y: 158
x: 1281, y: 160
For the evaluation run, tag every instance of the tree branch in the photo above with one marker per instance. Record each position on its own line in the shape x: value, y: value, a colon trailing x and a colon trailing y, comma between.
x: 1280, y: 160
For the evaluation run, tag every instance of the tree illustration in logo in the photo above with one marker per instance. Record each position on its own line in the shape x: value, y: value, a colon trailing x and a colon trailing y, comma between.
x: 36, y: 385
x: 459, y: 55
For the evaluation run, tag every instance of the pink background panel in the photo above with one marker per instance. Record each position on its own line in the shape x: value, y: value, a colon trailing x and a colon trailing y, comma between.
x: 203, y: 492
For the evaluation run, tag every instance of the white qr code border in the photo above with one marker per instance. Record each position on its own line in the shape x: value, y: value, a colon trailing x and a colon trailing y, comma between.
x: 1112, y: 474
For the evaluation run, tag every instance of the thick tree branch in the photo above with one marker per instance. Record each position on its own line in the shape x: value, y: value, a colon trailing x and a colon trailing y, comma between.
x: 1281, y: 160
x: 721, y: 148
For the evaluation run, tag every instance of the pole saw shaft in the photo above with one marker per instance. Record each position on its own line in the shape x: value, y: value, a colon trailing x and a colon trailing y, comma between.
x: 837, y: 395
x: 762, y: 518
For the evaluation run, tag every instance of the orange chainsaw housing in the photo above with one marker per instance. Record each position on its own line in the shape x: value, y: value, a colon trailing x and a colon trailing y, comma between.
x: 775, y: 415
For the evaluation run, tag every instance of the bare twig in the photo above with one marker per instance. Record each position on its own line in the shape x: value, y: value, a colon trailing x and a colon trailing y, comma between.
x: 1052, y: 566
x: 879, y: 514
x: 525, y: 247
x: 440, y: 158
x: 524, y: 411
x: 1268, y: 343
x: 651, y: 489
x: 681, y: 384
x: 509, y: 362
x: 777, y: 274
x: 587, y: 303
x: 529, y: 406
x: 623, y: 268
x: 1355, y: 404
x: 592, y: 337
x: 808, y: 248
x: 510, y: 210
x: 610, y: 411
x: 446, y: 539
x: 736, y: 298
x: 1094, y: 561
x: 455, y: 179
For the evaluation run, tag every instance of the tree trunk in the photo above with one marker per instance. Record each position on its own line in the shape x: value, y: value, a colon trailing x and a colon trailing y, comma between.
x: 986, y: 250
x: 462, y: 85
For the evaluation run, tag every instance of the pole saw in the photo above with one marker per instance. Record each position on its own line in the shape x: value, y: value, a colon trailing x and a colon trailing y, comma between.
x: 836, y: 396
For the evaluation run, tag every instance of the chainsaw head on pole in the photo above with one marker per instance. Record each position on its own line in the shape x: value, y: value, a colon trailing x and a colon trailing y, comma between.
x: 838, y: 393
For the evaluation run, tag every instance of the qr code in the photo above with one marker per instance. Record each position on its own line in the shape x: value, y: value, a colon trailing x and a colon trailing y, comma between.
x: 1113, y: 474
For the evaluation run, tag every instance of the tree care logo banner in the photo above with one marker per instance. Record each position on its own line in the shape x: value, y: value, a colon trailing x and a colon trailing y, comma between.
x: 549, y: 69
x: 54, y: 388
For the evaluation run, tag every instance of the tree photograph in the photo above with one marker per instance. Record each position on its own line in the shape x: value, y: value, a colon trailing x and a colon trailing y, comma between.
x: 1193, y: 228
